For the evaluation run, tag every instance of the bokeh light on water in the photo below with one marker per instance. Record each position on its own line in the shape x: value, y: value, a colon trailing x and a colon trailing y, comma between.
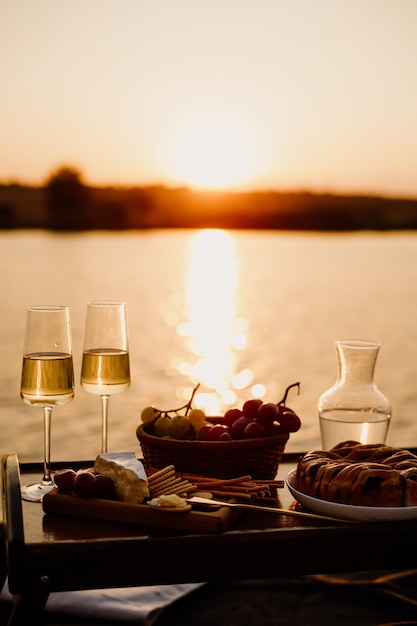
x: 212, y: 330
x: 242, y: 312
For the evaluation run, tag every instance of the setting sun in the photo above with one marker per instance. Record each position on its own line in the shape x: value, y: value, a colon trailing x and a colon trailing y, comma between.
x: 213, y: 96
x: 212, y: 149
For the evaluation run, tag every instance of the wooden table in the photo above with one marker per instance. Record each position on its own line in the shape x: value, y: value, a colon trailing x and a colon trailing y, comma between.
x: 46, y: 554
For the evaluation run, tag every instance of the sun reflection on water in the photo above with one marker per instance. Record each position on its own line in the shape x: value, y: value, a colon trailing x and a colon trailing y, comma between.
x: 212, y: 330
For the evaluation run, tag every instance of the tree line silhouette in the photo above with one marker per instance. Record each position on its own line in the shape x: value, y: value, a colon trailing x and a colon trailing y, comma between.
x: 66, y: 202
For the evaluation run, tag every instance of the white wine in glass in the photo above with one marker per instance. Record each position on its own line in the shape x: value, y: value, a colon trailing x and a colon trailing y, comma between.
x: 47, y: 376
x: 105, y: 368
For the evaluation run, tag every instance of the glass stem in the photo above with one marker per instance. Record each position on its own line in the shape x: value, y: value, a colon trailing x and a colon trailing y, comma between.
x: 104, y: 426
x: 47, y: 412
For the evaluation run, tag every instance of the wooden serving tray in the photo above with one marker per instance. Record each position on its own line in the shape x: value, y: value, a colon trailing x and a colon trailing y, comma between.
x: 194, y: 521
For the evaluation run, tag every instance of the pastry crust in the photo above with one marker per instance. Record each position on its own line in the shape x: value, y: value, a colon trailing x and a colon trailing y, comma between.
x: 360, y: 474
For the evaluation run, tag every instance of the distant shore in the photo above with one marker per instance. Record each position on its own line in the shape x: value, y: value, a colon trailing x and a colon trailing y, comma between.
x: 75, y: 206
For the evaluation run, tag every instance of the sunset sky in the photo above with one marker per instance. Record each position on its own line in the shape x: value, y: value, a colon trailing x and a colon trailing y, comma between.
x: 240, y: 94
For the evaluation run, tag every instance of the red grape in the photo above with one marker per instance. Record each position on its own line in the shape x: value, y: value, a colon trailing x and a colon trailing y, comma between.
x: 267, y: 413
x: 250, y: 407
x: 225, y: 436
x: 64, y: 479
x: 103, y: 487
x: 204, y: 432
x: 231, y: 416
x: 274, y: 429
x: 84, y: 484
x: 290, y: 422
x: 282, y: 408
x: 254, y: 430
x: 237, y: 428
x: 216, y: 431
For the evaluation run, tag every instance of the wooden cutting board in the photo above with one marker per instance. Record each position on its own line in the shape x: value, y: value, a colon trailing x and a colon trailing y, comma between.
x: 194, y: 521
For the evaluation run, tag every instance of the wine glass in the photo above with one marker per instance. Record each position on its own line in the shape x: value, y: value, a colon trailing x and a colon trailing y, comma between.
x: 47, y: 376
x: 105, y: 368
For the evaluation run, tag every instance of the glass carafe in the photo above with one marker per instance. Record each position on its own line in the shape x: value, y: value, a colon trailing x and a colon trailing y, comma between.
x: 354, y: 409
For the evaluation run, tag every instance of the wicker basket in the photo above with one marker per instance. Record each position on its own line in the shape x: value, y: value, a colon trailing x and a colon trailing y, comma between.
x: 221, y: 459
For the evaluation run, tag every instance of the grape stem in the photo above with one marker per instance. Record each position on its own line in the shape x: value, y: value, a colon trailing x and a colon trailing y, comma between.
x: 286, y: 392
x: 187, y: 406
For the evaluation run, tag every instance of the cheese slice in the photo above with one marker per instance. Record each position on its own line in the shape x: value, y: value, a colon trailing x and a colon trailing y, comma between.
x: 127, y: 473
x: 170, y: 500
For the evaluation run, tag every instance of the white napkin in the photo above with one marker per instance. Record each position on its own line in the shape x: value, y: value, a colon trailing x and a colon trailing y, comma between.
x: 139, y: 605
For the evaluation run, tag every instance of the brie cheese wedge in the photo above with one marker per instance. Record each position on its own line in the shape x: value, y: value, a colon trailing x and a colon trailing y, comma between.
x: 127, y: 473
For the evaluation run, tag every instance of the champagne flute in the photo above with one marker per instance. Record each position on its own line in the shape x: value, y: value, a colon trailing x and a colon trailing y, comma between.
x: 105, y: 368
x: 47, y: 376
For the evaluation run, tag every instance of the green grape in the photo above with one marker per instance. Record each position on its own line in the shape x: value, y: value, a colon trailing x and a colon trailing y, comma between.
x: 180, y: 426
x: 149, y: 413
x: 196, y: 417
x: 162, y: 426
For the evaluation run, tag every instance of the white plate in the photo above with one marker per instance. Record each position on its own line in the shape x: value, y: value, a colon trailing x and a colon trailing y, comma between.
x: 349, y: 511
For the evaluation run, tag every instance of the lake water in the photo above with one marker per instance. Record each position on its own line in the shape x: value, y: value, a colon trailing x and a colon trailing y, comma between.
x: 233, y: 310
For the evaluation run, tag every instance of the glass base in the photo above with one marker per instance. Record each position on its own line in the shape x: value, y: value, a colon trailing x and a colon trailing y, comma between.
x: 35, y: 492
